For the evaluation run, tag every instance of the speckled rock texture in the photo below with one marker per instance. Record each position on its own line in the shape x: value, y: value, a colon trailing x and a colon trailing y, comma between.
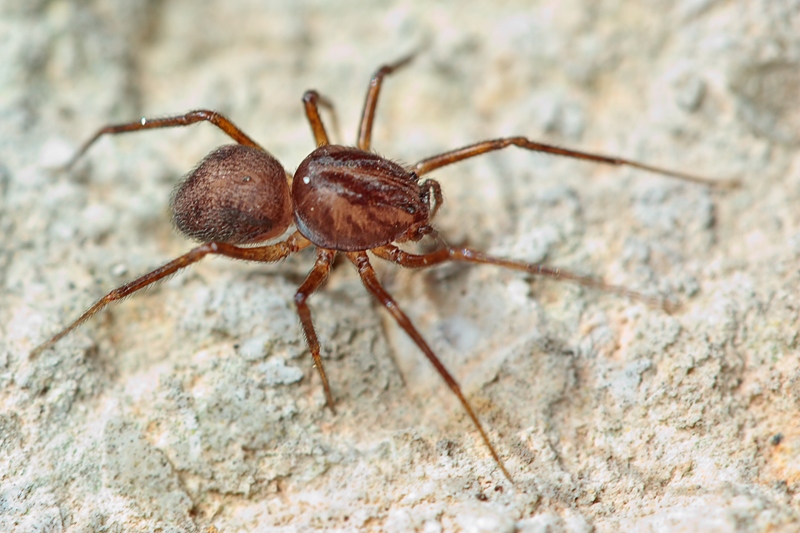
x: 195, y: 406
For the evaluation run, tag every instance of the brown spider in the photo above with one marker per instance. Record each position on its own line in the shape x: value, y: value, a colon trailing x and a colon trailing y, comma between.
x: 342, y: 199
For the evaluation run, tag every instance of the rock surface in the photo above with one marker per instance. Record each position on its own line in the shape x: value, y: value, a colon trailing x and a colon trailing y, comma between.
x: 195, y: 405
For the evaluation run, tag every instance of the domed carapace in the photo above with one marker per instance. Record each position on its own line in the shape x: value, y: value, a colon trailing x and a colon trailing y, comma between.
x: 348, y: 199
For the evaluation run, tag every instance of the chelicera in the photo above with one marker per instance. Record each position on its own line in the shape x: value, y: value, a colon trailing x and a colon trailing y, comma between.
x: 341, y: 199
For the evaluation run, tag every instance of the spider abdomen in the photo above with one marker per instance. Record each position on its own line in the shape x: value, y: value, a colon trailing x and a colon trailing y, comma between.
x: 237, y: 194
x: 348, y: 199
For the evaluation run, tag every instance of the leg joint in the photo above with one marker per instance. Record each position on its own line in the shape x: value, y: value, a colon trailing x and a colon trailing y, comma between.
x: 300, y: 298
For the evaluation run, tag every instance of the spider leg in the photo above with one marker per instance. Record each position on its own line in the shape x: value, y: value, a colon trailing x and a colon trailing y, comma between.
x: 265, y: 254
x: 312, y: 100
x: 328, y: 105
x: 368, y: 115
x: 473, y: 150
x: 314, y: 281
x: 191, y: 117
x: 370, y: 281
x: 396, y: 255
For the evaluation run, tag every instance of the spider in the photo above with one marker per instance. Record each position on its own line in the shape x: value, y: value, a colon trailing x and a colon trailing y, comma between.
x: 341, y: 199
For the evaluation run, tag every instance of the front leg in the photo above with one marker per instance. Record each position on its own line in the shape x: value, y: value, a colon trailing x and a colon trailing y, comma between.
x: 473, y: 150
x: 465, y: 255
